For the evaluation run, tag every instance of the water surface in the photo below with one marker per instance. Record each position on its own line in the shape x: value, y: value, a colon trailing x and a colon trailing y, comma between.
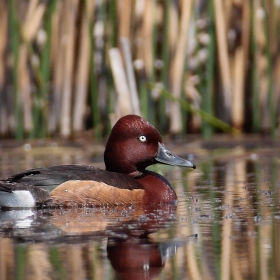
x: 225, y: 226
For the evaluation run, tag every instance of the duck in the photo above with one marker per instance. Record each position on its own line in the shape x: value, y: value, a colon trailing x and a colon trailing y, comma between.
x: 132, y: 146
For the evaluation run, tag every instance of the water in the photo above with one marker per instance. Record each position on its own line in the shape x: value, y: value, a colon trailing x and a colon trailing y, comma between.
x: 225, y: 225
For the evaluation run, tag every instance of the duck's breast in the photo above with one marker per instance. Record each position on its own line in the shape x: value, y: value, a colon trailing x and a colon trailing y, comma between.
x: 157, y: 189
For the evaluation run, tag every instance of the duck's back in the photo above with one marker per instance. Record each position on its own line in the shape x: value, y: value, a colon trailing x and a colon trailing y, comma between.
x: 51, y: 177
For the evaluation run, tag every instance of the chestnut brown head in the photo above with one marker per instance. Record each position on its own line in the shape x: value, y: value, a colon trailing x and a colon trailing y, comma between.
x: 135, y: 144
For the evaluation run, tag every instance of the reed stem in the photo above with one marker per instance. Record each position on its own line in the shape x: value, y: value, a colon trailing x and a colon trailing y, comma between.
x: 15, y: 43
x: 207, y: 101
x: 254, y: 78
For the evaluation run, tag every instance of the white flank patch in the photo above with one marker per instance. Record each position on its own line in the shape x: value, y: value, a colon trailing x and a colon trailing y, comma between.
x: 17, y: 199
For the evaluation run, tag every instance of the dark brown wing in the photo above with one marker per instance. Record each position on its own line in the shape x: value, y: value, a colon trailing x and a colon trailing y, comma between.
x: 6, y: 187
x: 51, y: 177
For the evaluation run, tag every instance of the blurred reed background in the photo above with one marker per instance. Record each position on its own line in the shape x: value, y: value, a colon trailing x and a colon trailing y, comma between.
x: 187, y: 66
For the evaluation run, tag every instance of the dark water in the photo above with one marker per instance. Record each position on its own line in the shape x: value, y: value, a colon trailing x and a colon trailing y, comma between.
x: 225, y: 226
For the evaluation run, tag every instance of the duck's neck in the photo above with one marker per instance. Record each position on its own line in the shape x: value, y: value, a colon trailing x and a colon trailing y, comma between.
x: 157, y: 188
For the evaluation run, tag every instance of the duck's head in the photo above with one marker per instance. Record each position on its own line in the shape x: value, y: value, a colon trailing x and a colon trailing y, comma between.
x: 135, y: 144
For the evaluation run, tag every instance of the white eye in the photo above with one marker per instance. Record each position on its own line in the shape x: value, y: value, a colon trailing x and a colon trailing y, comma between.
x: 142, y: 138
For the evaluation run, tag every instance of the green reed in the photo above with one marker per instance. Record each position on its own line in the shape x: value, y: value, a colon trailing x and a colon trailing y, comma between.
x: 113, y: 21
x: 40, y: 113
x: 207, y: 97
x: 15, y: 42
x: 165, y: 59
x: 93, y: 81
x: 271, y: 99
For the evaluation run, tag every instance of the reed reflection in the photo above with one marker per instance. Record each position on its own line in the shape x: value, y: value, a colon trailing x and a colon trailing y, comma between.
x: 232, y: 203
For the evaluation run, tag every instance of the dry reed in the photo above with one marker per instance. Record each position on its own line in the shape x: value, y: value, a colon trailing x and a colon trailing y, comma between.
x: 58, y: 57
x: 3, y: 41
x: 223, y: 58
x: 123, y: 105
x: 82, y: 74
x: 177, y: 66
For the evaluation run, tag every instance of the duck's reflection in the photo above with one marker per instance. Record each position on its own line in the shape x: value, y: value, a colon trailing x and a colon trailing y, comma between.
x: 129, y: 249
x: 112, y: 222
x: 135, y: 259
x: 81, y: 222
x: 140, y: 258
x: 132, y: 258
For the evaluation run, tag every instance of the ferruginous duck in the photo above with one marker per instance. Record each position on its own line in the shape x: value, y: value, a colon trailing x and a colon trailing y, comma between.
x: 133, y: 145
